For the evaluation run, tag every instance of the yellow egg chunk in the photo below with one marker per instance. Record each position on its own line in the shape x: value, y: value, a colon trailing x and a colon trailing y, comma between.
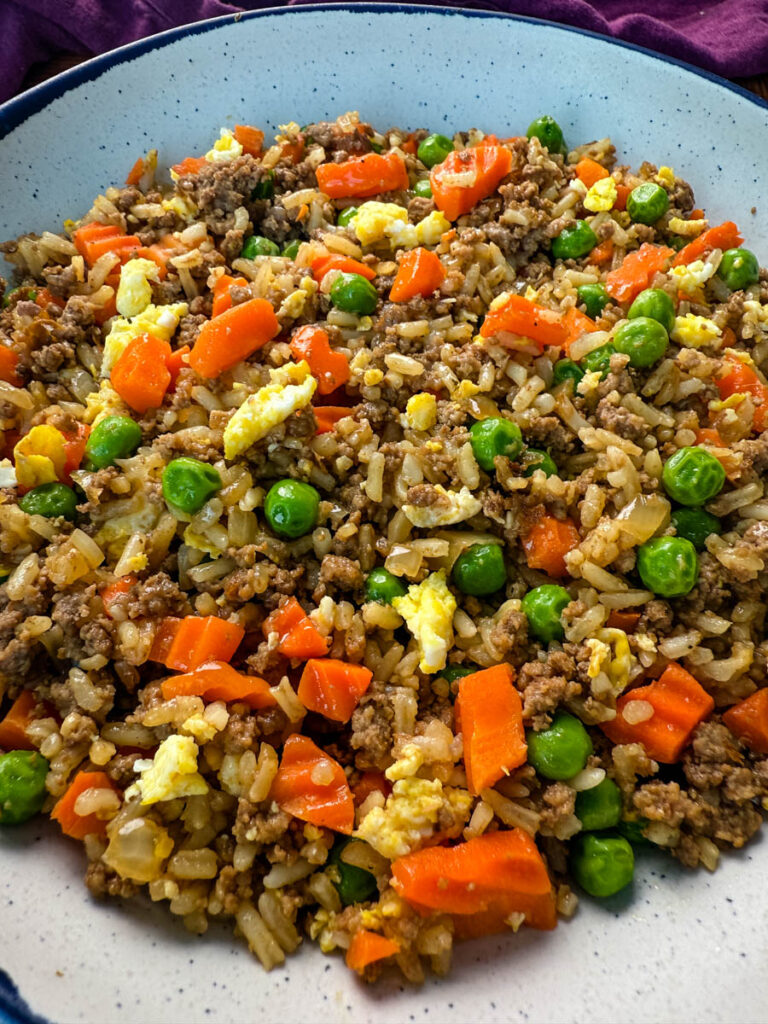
x: 601, y: 196
x: 171, y: 773
x: 291, y: 388
x: 134, y: 293
x: 39, y: 456
x: 160, y: 321
x: 428, y: 610
x: 225, y: 149
x: 421, y: 411
x: 450, y: 507
x: 694, y: 275
x: 378, y: 222
x: 694, y: 331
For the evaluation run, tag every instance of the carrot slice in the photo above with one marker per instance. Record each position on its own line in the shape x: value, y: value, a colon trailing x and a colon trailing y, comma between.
x: 330, y: 368
x: 176, y: 362
x: 363, y: 176
x: 311, y: 786
x: 679, y: 703
x: 466, y: 176
x: 749, y: 721
x: 741, y: 379
x: 333, y: 688
x: 9, y: 360
x: 216, y: 680
x: 518, y: 315
x: 202, y: 638
x: 420, y: 273
x: 140, y: 376
x: 625, y: 621
x: 490, y: 714
x: 78, y: 826
x: 371, y: 782
x: 122, y: 585
x: 577, y: 323
x: 222, y: 298
x: 135, y: 173
x: 368, y: 947
x: 299, y: 637
x: 547, y: 543
x: 233, y: 336
x: 94, y: 240
x: 165, y: 634
x: 636, y: 271
x: 13, y: 728
x: 345, y: 264
x: 589, y: 171
x: 189, y: 165
x: 250, y: 138
x: 327, y: 416
x: 601, y: 253
x: 721, y: 236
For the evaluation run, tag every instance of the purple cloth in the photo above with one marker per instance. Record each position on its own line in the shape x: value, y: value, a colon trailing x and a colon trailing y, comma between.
x: 729, y: 37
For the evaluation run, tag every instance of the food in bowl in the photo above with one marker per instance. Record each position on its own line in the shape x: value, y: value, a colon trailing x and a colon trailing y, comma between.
x: 384, y: 535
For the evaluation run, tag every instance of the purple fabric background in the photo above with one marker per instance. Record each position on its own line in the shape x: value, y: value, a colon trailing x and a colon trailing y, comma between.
x: 729, y: 37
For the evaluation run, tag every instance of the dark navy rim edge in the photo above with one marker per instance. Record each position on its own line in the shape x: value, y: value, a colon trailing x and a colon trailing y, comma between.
x: 16, y: 111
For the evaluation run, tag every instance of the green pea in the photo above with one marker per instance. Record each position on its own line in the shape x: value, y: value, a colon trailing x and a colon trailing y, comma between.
x: 434, y: 149
x: 644, y: 340
x: 423, y: 188
x: 533, y: 459
x: 291, y: 508
x: 692, y: 476
x: 494, y: 436
x: 655, y: 304
x: 347, y: 214
x: 575, y: 240
x: 695, y: 524
x: 739, y: 269
x: 265, y: 189
x: 50, y: 500
x: 454, y: 672
x: 114, y: 437
x: 599, y: 359
x: 668, y: 566
x: 355, y: 885
x: 594, y: 297
x: 258, y: 245
x: 188, y: 484
x: 22, y: 785
x: 602, y: 863
x: 354, y: 294
x: 562, y: 750
x: 647, y: 202
x: 292, y: 249
x: 480, y: 570
x: 549, y: 133
x: 543, y: 607
x: 632, y: 830
x: 566, y: 370
x: 599, y: 807
x: 381, y: 585
x: 677, y: 242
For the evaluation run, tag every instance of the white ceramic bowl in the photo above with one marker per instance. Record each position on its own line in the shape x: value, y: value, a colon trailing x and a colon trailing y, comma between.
x: 679, y: 946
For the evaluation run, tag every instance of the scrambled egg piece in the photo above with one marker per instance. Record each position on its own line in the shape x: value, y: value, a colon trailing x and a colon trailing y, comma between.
x: 420, y: 412
x: 291, y: 388
x: 428, y: 609
x: 378, y: 222
x: 225, y: 149
x: 610, y: 653
x: 687, y: 228
x: 101, y: 403
x: 182, y: 206
x: 451, y: 507
x: 410, y: 815
x: 171, y: 773
x: 694, y: 331
x: 694, y: 275
x: 601, y: 196
x: 160, y: 321
x: 7, y: 473
x: 410, y: 760
x: 134, y: 293
x: 39, y: 456
x: 666, y: 177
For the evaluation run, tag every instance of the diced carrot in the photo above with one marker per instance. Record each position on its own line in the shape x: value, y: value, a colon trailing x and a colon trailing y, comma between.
x: 679, y: 703
x: 250, y: 138
x: 9, y: 360
x: 602, y: 252
x: 74, y: 449
x: 176, y: 362
x: 135, y: 173
x: 200, y: 639
x: 709, y: 436
x: 547, y: 543
x: 216, y: 680
x: 122, y: 585
x: 299, y: 637
x: 329, y: 368
x: 577, y: 323
x: 368, y: 947
x: 749, y: 721
x: 222, y: 298
x: 420, y: 273
x: 371, y: 782
x: 741, y: 379
x: 490, y: 713
x: 327, y: 416
x: 13, y: 728
x: 311, y: 786
x: 140, y: 376
x: 190, y: 165
x: 94, y: 240
x: 165, y: 634
x: 622, y: 194
x: 722, y: 236
x: 410, y: 145
x: 363, y: 176
x: 637, y: 271
x: 78, y: 826
x: 696, y: 214
x: 303, y: 212
x: 626, y: 621
x: 293, y: 151
x: 160, y: 252
x: 103, y: 313
x: 518, y: 315
x: 44, y: 297
x: 233, y: 336
x: 499, y: 870
x: 333, y: 688
x: 589, y: 171
x: 345, y: 264
x: 478, y: 172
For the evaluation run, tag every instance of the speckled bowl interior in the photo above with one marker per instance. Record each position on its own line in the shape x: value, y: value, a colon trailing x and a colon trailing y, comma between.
x: 678, y: 946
